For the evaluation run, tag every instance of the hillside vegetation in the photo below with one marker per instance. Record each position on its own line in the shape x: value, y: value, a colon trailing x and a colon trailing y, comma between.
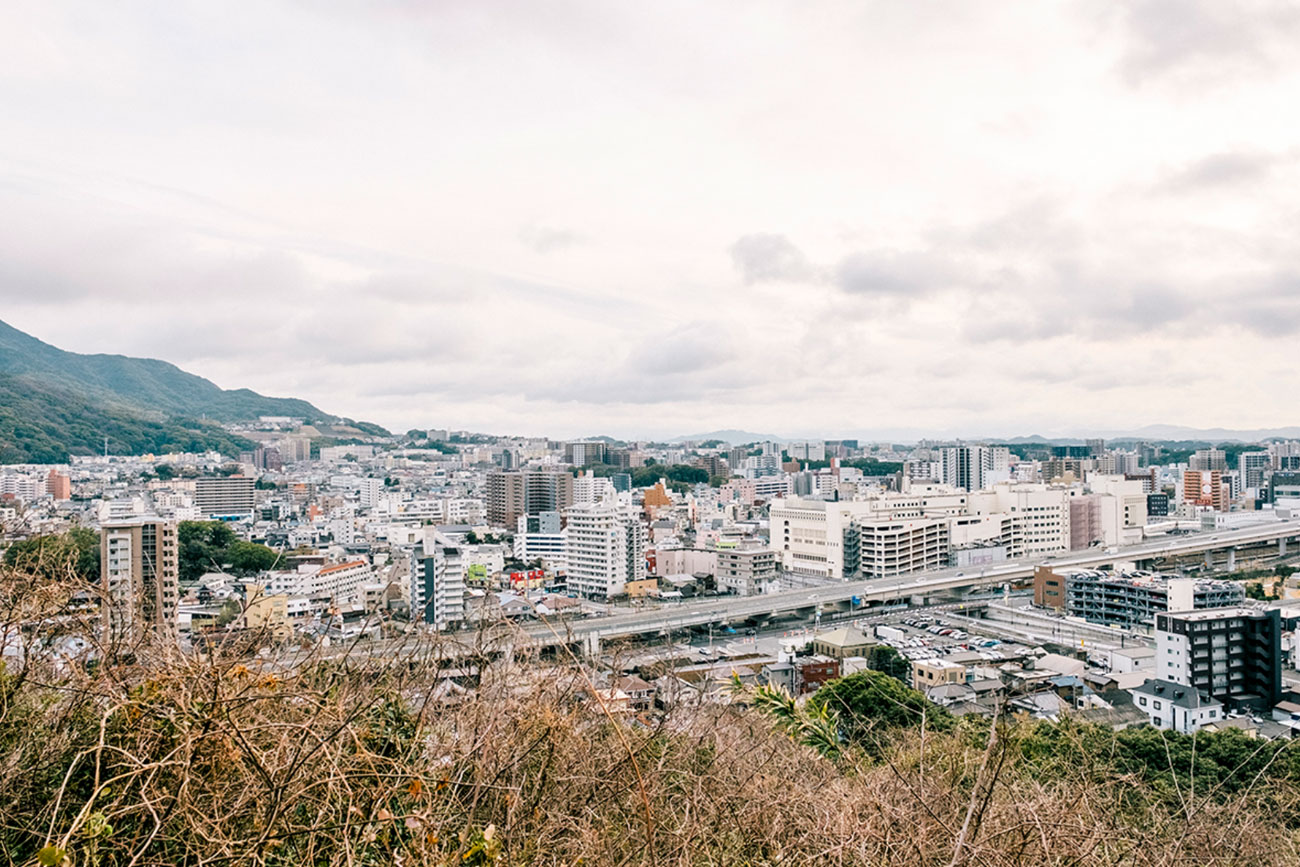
x: 42, y: 423
x: 159, y: 758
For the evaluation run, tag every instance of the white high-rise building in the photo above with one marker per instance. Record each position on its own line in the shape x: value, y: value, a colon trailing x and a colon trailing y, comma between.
x: 975, y: 467
x: 587, y: 488
x: 371, y: 490
x: 437, y: 582
x: 606, y: 548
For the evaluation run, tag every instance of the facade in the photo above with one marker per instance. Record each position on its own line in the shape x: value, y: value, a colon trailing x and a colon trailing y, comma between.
x: 1234, y: 654
x: 1132, y: 599
x: 584, y: 454
x: 747, y: 571
x: 809, y: 536
x: 224, y: 496
x: 606, y: 549
x: 140, y: 575
x: 896, y: 547
x: 1253, y: 468
x: 58, y: 486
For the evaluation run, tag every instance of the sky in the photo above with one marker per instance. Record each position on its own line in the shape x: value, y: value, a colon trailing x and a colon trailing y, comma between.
x: 651, y: 219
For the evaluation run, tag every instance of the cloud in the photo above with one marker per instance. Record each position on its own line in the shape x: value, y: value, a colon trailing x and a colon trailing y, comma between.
x: 762, y: 258
x: 545, y: 239
x: 1226, y: 169
x: 885, y: 273
x: 1201, y: 42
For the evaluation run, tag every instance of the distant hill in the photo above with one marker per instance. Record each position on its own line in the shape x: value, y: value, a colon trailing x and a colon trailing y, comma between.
x: 55, y: 403
x: 142, y: 384
x: 734, y: 437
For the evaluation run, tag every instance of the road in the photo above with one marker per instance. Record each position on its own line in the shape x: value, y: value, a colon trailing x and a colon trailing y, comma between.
x: 681, y: 616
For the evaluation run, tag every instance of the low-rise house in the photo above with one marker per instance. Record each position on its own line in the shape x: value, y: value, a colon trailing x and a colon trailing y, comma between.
x: 1176, y: 707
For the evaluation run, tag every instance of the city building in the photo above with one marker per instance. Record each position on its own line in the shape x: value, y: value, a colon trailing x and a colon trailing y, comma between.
x: 747, y: 570
x: 973, y: 468
x: 512, y: 494
x: 606, y: 548
x: 585, y: 454
x: 889, y: 546
x: 437, y: 583
x: 224, y: 496
x: 809, y: 536
x: 341, y: 582
x: 58, y: 486
x: 1254, y: 467
x: 140, y: 575
x: 1128, y: 598
x: 1209, y: 460
x: 1234, y: 654
x: 1206, y: 488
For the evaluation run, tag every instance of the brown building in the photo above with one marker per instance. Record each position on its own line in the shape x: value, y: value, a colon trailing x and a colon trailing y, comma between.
x: 58, y: 486
x: 517, y: 493
x: 1206, y: 488
x: 1049, y: 588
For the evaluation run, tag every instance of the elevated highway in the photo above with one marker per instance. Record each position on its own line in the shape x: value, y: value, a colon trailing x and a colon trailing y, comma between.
x: 669, y: 618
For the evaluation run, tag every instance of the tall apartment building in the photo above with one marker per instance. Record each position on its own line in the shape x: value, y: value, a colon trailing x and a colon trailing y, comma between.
x: 747, y: 570
x: 1128, y: 599
x: 511, y: 495
x: 973, y: 468
x: 585, y: 454
x: 1206, y: 488
x: 1234, y: 654
x: 58, y: 486
x: 370, y: 490
x: 1208, y: 460
x: 606, y: 546
x: 1254, y: 467
x: 224, y: 496
x: 140, y: 575
x: 438, y: 572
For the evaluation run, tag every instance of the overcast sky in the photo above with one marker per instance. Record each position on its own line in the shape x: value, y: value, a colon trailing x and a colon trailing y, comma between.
x: 647, y: 219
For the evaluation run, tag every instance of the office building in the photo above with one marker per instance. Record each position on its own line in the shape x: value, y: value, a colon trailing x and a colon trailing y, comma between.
x: 606, y: 548
x: 140, y: 575
x: 809, y: 536
x: 224, y: 496
x: 1233, y: 654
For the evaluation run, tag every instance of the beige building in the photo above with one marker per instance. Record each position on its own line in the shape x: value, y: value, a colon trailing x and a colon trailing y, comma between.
x: 266, y: 611
x: 842, y: 643
x: 933, y: 672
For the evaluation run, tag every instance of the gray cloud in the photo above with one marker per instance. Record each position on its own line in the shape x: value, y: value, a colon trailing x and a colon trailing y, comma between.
x: 1224, y: 169
x: 546, y: 239
x: 893, y: 273
x: 764, y: 257
x: 1203, y: 41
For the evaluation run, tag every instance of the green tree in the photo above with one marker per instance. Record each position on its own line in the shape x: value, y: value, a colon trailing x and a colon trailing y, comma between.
x: 166, y: 472
x: 872, y: 705
x: 74, y: 554
x: 249, y: 558
x: 886, y: 659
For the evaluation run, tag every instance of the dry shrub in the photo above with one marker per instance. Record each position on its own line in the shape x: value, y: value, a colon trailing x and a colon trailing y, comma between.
x: 351, y: 757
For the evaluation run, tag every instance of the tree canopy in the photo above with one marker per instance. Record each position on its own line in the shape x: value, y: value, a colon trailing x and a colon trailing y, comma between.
x: 74, y: 554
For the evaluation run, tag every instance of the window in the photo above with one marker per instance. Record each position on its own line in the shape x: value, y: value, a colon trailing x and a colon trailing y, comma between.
x: 1156, y: 705
x: 1142, y: 701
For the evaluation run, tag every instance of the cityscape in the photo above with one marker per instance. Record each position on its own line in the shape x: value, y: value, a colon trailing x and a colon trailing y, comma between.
x: 758, y: 435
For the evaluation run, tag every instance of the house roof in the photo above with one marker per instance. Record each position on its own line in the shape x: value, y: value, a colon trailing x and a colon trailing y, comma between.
x: 1176, y: 694
x: 844, y: 637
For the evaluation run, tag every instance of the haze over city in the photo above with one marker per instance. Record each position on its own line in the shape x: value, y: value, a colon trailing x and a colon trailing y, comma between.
x: 648, y: 220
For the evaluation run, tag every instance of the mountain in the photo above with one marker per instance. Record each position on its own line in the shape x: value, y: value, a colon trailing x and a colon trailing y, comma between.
x: 54, y: 404
x: 734, y: 437
x: 142, y: 384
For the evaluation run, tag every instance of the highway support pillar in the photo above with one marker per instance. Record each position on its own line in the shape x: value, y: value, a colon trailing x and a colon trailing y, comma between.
x: 1232, y: 559
x: 1281, y: 547
x: 591, y: 644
